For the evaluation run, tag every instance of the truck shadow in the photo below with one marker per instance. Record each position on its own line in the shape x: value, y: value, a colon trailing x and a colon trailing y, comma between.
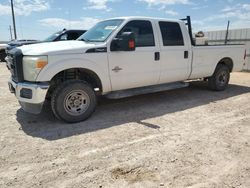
x: 111, y: 113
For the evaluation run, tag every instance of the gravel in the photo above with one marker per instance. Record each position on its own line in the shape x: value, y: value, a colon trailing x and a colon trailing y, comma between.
x: 190, y: 137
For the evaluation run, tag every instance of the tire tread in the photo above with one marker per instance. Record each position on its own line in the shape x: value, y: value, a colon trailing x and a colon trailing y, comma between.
x: 212, y: 80
x: 56, y: 94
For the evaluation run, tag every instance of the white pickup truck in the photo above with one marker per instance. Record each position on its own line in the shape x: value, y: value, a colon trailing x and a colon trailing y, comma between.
x: 117, y: 58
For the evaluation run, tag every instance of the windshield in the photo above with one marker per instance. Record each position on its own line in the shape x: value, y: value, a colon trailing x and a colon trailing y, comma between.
x: 52, y: 37
x: 101, y: 31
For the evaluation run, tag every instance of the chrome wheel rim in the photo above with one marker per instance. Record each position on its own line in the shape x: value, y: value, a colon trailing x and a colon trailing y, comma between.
x: 76, y: 103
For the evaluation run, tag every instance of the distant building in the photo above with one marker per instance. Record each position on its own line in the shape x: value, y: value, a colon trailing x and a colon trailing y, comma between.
x: 235, y: 36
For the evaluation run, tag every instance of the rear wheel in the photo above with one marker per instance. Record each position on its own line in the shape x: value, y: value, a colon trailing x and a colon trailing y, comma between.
x: 220, y: 79
x: 73, y: 101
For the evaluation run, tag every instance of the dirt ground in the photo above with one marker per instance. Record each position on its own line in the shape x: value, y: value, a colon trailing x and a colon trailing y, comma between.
x: 189, y: 137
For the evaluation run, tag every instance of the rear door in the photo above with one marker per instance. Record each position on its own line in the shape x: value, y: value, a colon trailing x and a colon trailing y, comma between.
x: 175, y: 52
x: 137, y: 68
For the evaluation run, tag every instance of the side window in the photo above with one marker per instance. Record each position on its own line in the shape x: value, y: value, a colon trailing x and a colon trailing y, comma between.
x: 64, y: 37
x: 171, y: 34
x: 143, y: 31
x: 72, y: 36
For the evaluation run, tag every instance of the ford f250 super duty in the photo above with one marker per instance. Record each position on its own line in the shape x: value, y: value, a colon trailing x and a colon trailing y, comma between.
x: 118, y: 57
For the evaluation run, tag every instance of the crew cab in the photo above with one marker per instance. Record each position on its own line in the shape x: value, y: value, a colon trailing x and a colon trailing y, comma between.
x: 117, y: 58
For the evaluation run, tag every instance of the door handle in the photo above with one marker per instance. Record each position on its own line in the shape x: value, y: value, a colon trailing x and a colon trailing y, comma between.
x: 185, y: 54
x: 116, y: 69
x: 157, y: 56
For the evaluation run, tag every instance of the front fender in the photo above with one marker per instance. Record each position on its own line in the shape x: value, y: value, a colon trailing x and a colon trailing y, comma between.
x: 56, y: 65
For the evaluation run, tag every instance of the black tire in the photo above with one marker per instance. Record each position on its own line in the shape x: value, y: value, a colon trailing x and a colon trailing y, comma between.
x: 73, y: 101
x: 220, y: 79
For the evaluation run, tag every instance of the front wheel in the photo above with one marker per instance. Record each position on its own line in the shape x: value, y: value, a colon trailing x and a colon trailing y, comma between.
x: 73, y: 101
x: 220, y: 79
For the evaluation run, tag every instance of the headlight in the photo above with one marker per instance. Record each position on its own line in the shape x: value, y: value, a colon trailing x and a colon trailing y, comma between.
x: 32, y: 65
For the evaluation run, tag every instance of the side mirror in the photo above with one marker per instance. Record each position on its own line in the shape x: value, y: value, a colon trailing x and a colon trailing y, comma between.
x: 125, y: 42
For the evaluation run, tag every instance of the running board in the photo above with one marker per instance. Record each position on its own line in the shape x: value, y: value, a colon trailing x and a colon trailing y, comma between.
x: 145, y: 90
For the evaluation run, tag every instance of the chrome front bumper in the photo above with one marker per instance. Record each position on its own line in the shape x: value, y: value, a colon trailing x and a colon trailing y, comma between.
x: 37, y: 93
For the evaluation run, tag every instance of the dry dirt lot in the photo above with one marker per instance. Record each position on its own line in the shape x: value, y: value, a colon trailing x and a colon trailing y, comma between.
x: 189, y: 137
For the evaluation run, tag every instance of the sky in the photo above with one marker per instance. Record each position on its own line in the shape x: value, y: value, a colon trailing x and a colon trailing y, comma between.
x: 37, y: 19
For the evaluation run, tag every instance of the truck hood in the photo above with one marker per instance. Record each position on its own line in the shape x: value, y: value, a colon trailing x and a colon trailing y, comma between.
x: 3, y: 46
x: 60, y: 47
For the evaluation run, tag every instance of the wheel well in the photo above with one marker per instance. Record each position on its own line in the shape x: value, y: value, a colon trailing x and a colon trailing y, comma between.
x: 76, y: 74
x: 228, y: 62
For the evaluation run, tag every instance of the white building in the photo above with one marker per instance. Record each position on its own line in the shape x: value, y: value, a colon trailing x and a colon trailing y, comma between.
x: 235, y: 36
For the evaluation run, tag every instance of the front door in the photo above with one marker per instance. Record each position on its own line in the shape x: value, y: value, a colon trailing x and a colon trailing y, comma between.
x: 132, y: 69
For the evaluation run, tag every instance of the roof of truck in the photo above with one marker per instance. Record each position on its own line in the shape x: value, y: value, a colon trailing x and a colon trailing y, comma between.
x: 145, y: 17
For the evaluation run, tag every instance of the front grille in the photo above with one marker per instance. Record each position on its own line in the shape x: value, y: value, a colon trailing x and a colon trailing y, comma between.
x: 14, y: 64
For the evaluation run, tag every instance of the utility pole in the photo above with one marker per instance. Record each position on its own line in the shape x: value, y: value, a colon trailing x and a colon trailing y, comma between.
x: 226, y: 39
x: 13, y: 19
x: 10, y: 32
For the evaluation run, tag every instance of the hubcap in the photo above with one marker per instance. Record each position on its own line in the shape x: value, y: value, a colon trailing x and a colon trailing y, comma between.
x: 76, y: 102
x: 223, y: 78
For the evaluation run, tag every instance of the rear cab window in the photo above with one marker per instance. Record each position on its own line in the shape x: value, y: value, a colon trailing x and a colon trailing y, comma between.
x: 143, y: 30
x: 171, y: 33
